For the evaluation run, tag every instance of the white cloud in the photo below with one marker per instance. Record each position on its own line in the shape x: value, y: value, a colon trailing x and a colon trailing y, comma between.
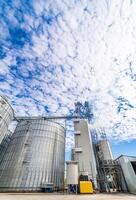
x: 83, y: 54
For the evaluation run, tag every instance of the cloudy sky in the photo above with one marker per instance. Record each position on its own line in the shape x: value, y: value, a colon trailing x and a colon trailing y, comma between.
x: 54, y: 53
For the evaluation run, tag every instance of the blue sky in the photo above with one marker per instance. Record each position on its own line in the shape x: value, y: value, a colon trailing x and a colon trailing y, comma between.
x: 124, y: 148
x: 53, y: 53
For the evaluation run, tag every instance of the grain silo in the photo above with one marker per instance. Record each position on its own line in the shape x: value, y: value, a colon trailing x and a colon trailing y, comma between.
x: 6, y: 116
x: 34, y: 157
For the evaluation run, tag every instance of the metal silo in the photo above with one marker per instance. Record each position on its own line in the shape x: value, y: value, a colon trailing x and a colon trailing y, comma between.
x: 4, y: 144
x: 6, y: 116
x: 34, y: 157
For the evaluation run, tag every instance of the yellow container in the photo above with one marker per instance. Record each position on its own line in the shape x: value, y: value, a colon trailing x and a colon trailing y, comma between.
x: 86, y: 187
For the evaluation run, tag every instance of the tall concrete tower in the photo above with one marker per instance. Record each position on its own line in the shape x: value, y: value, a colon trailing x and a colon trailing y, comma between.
x: 83, y: 152
x: 105, y: 152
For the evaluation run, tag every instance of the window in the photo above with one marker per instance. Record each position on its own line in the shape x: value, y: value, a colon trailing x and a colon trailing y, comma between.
x: 134, y: 166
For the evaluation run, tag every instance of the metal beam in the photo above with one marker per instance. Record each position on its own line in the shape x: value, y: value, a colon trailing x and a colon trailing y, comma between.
x: 18, y: 118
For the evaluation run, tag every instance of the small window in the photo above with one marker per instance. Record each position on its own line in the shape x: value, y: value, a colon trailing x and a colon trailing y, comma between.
x: 77, y: 132
x: 134, y: 166
x: 78, y: 150
x: 76, y: 120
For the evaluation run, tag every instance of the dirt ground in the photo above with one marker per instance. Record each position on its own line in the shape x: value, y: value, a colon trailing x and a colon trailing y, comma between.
x: 43, y: 196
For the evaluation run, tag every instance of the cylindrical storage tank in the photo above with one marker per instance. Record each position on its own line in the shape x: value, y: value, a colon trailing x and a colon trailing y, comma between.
x: 4, y: 144
x: 6, y: 116
x: 35, y: 156
x: 72, y: 172
x: 106, y: 150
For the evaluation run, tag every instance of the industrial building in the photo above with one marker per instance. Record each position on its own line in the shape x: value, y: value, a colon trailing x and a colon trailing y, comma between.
x: 32, y: 158
x: 128, y: 166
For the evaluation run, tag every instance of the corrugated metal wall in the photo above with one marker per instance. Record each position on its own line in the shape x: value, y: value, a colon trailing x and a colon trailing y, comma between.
x: 34, y: 156
x: 128, y: 171
x: 6, y: 116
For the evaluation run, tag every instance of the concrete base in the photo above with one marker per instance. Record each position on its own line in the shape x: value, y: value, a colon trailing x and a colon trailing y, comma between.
x: 57, y: 196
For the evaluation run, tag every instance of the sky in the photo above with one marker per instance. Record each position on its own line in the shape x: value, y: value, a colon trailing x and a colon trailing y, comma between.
x: 54, y: 53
